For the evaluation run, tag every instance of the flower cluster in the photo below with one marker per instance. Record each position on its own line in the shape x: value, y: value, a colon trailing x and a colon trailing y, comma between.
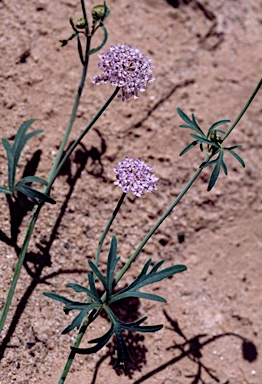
x: 135, y: 176
x: 126, y: 67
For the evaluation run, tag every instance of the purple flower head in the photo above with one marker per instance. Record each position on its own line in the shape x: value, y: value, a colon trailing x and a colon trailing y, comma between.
x: 135, y: 176
x: 126, y: 67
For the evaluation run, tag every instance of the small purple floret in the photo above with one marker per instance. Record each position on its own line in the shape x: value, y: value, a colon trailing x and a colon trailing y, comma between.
x: 126, y: 67
x: 135, y: 176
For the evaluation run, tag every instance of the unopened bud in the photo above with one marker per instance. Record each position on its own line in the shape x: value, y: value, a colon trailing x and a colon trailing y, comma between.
x: 81, y: 23
x: 98, y: 12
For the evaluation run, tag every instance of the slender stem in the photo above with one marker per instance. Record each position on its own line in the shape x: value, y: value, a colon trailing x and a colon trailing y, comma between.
x: 84, y: 11
x: 159, y: 222
x: 37, y: 211
x: 243, y: 110
x: 72, y: 116
x: 102, y: 238
x: 38, y: 208
x: 78, y: 140
x: 185, y: 189
x: 90, y: 318
x: 18, y: 269
x: 83, y: 328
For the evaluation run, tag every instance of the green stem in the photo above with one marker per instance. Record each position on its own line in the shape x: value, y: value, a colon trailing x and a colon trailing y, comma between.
x: 37, y: 211
x: 102, y: 238
x: 47, y: 189
x: 243, y: 110
x: 18, y: 269
x: 72, y: 116
x: 90, y: 318
x: 84, y: 11
x: 77, y: 141
x: 159, y: 222
x: 87, y: 321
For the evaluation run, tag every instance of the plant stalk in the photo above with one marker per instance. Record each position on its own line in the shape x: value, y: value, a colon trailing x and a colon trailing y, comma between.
x: 102, y: 238
x: 243, y: 110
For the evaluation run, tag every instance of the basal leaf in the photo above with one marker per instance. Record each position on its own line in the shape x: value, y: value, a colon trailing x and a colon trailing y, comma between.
x: 141, y: 295
x: 91, y: 281
x: 21, y: 138
x: 10, y: 160
x: 57, y: 297
x: 216, y: 124
x: 5, y: 191
x: 33, y: 194
x: 111, y: 264
x: 33, y: 179
x: 193, y: 144
x: 80, y: 288
x: 204, y: 140
x: 77, y: 321
x: 196, y: 125
x: 101, y: 341
x: 214, y: 175
x: 156, y: 267
x: 184, y: 116
x: 211, y: 162
x: 236, y: 156
x: 99, y: 275
x: 224, y: 167
x: 167, y: 272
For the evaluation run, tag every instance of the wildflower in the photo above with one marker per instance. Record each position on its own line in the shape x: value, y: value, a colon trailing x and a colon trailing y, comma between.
x: 126, y: 67
x: 135, y: 176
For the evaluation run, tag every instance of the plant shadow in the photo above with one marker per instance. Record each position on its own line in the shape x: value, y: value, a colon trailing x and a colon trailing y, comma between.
x: 190, y: 348
x: 127, y: 310
x: 36, y: 262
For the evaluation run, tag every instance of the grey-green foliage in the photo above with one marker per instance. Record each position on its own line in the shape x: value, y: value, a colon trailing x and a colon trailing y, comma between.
x: 13, y: 154
x: 214, y: 141
x: 95, y: 304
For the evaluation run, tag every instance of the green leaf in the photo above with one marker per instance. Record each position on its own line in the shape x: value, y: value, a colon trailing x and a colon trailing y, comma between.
x: 80, y: 51
x: 224, y: 167
x: 5, y: 191
x: 111, y: 265
x: 99, y: 275
x: 167, y: 272
x: 33, y: 179
x: 143, y: 328
x: 144, y: 279
x: 196, y: 125
x: 215, y: 173
x: 91, y: 281
x: 33, y: 194
x: 80, y: 288
x: 77, y: 321
x: 142, y: 295
x: 233, y: 147
x: 212, y: 162
x: 236, y: 156
x: 14, y: 152
x: 122, y: 350
x: 21, y: 139
x: 188, y: 147
x: 204, y: 140
x: 101, y: 341
x: 216, y: 124
x: 57, y: 297
x: 94, y: 50
x: 184, y: 116
x: 10, y: 160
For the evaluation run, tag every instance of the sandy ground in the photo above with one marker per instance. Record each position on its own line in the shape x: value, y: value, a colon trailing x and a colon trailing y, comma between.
x: 207, y: 56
